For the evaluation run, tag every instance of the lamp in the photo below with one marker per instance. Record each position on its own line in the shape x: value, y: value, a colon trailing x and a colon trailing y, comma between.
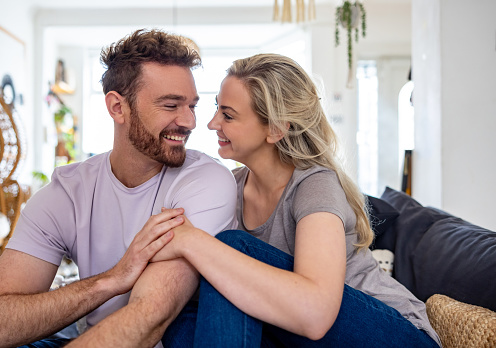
x: 286, y: 16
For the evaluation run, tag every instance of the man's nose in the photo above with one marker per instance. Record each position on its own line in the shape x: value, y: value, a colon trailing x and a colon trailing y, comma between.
x: 187, y: 118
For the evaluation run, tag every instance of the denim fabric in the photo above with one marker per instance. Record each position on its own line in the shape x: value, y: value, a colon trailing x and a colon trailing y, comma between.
x: 58, y: 339
x: 363, y: 321
x: 181, y: 331
x: 48, y: 343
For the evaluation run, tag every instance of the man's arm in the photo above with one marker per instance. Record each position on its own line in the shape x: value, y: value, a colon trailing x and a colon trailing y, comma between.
x: 208, y: 196
x: 157, y: 298
x: 28, y: 312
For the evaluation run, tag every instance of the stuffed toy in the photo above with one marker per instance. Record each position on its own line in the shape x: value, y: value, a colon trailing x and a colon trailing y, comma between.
x: 385, y: 258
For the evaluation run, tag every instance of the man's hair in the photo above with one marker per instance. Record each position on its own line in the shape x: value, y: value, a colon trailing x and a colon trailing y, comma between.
x: 124, y: 59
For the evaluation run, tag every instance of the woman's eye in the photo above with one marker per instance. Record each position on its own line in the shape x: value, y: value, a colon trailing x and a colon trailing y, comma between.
x: 227, y: 117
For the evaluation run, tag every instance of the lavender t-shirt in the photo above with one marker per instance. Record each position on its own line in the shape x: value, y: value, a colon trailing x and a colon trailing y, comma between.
x: 87, y: 214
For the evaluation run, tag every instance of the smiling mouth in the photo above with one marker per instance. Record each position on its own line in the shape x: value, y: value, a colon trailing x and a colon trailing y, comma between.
x: 224, y: 140
x: 181, y: 138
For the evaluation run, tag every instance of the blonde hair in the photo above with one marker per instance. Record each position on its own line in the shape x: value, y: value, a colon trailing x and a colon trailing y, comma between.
x: 283, y: 94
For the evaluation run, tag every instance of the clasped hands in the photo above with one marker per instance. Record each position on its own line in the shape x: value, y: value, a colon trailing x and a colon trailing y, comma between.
x: 158, y: 240
x: 181, y: 227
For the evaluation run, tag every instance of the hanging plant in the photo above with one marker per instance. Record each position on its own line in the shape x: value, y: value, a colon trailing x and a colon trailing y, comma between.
x: 351, y: 16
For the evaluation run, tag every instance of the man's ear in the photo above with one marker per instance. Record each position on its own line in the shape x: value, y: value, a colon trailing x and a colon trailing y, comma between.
x: 116, y: 106
x: 276, y: 134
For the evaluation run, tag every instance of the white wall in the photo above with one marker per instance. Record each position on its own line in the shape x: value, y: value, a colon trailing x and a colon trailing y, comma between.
x: 454, y: 71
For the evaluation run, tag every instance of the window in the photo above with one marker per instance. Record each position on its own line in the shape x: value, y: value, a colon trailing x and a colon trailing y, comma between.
x: 367, y: 127
x: 97, y: 125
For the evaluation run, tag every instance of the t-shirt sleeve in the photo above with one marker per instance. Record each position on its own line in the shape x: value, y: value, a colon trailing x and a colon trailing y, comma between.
x: 321, y: 192
x: 208, y: 196
x: 39, y: 229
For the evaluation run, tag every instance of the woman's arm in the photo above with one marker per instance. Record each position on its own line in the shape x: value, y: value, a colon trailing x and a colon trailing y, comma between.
x: 305, y: 302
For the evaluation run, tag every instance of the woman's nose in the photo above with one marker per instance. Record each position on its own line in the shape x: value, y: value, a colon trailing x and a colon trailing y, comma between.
x: 214, y: 122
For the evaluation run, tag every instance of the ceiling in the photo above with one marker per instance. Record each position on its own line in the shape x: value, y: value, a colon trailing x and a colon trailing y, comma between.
x: 178, y: 3
x: 244, y: 36
x: 158, y: 3
x: 210, y: 37
x: 238, y: 35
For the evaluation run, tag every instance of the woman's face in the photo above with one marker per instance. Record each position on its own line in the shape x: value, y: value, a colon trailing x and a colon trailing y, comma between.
x: 241, y: 134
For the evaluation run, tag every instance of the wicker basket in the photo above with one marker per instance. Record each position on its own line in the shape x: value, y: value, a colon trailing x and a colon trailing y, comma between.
x: 460, y: 324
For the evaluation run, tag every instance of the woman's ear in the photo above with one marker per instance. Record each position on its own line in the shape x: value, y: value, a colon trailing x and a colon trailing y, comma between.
x: 116, y: 106
x: 276, y: 134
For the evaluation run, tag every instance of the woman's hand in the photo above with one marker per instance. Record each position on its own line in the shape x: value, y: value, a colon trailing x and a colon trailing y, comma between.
x: 173, y: 249
x: 154, y: 235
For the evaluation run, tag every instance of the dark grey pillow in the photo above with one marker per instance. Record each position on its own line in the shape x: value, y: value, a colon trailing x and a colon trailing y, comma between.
x: 438, y: 253
x: 457, y: 259
x: 382, y: 214
x: 407, y: 230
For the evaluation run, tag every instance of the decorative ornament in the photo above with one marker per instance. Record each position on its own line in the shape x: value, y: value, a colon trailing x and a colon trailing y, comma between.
x: 311, y: 10
x: 286, y: 16
x: 350, y: 15
x: 286, y: 11
x: 275, y: 16
x: 300, y: 11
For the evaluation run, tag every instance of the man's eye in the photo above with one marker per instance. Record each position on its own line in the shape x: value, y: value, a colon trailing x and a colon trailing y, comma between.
x: 170, y: 106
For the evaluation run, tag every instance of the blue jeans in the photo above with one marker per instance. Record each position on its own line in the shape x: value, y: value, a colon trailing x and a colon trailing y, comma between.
x: 363, y: 321
x: 57, y: 340
x: 48, y: 343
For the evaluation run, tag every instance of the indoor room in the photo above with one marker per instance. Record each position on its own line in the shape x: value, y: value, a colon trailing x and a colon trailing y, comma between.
x: 407, y: 86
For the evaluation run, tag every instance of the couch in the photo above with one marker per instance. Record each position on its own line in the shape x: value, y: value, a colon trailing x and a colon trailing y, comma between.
x: 444, y: 261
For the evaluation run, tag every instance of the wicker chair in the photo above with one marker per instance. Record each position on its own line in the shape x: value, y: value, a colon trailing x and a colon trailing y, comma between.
x: 12, y: 194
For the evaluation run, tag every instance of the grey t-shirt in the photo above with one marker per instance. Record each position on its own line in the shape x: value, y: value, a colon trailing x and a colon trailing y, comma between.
x: 318, y: 189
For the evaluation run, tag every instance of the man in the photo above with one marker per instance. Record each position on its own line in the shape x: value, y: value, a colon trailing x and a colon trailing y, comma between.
x: 106, y: 212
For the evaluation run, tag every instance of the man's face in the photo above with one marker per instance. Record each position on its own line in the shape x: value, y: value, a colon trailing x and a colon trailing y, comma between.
x: 164, y: 114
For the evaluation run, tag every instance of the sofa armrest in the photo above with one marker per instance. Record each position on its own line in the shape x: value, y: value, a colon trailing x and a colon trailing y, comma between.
x: 461, y: 325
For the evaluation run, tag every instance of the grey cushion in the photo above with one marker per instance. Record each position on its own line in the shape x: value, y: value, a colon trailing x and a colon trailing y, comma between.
x: 436, y: 252
x: 457, y: 259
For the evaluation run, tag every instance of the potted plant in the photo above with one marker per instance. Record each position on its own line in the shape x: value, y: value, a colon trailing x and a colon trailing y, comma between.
x: 351, y: 16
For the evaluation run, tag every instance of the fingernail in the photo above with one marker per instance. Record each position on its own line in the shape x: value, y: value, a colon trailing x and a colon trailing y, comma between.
x: 168, y: 234
x: 179, y: 218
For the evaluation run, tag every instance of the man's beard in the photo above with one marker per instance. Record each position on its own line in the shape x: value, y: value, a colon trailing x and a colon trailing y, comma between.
x: 147, y: 144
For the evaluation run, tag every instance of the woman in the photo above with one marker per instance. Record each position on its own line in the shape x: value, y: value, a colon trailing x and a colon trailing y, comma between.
x: 301, y: 275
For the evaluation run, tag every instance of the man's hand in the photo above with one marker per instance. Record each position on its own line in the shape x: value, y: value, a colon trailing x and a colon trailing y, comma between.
x: 174, y: 249
x: 154, y: 235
